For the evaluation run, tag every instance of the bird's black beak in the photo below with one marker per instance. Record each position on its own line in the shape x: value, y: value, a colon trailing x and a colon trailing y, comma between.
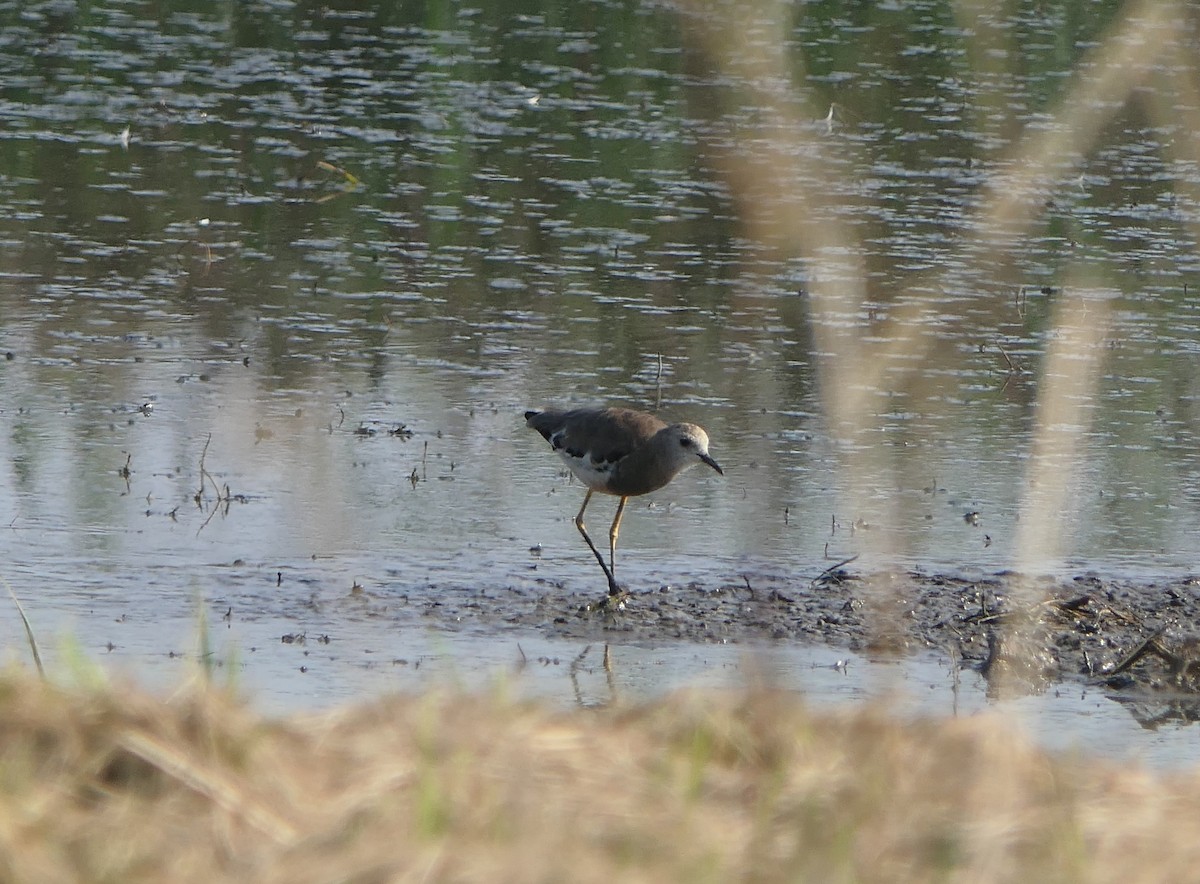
x: 712, y: 463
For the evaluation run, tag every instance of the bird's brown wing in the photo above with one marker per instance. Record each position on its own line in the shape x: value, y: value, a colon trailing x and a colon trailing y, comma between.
x: 607, y: 434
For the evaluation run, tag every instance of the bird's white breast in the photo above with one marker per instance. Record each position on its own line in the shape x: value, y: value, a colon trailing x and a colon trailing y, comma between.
x: 592, y: 474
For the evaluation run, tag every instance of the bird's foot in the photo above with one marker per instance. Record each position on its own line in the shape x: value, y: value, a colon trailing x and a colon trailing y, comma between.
x: 611, y: 603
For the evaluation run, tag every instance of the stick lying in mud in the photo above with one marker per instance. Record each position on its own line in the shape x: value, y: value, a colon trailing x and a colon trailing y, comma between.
x: 1150, y: 646
x: 828, y: 575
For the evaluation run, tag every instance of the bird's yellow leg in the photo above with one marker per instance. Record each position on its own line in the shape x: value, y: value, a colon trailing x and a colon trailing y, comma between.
x: 612, y: 536
x: 613, y: 589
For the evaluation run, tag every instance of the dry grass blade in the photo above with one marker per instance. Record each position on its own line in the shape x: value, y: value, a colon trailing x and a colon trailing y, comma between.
x: 220, y: 789
x: 33, y: 645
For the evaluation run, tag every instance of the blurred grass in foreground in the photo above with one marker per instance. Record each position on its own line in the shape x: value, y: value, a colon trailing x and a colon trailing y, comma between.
x: 112, y: 784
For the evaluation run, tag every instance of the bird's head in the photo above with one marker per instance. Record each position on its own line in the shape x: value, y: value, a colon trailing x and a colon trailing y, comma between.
x: 690, y: 444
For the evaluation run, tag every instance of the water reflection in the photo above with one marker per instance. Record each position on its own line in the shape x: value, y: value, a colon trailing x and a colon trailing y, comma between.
x: 279, y: 224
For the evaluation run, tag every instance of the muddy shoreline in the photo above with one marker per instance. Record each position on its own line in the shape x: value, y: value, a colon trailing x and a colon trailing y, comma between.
x: 1126, y: 636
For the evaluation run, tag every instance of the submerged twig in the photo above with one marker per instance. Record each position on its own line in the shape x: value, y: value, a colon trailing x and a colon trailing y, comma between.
x: 203, y: 472
x: 1013, y: 367
x: 658, y: 384
x: 223, y: 496
x: 352, y: 181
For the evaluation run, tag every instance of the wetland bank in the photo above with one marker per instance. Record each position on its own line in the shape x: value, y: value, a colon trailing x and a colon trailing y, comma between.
x: 747, y: 784
x: 278, y: 280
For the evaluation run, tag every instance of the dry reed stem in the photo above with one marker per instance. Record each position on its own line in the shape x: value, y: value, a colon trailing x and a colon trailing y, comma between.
x: 781, y: 154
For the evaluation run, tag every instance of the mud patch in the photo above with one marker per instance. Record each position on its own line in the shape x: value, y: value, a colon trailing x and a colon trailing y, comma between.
x: 1137, y: 639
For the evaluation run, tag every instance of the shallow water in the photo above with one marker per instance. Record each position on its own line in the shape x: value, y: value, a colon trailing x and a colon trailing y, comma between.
x: 313, y: 262
x: 367, y: 656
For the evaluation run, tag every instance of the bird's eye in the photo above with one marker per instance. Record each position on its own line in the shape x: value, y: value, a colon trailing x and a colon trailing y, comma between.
x: 686, y: 443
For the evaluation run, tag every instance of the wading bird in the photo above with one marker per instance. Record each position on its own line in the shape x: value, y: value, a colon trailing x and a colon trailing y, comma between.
x: 620, y: 452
